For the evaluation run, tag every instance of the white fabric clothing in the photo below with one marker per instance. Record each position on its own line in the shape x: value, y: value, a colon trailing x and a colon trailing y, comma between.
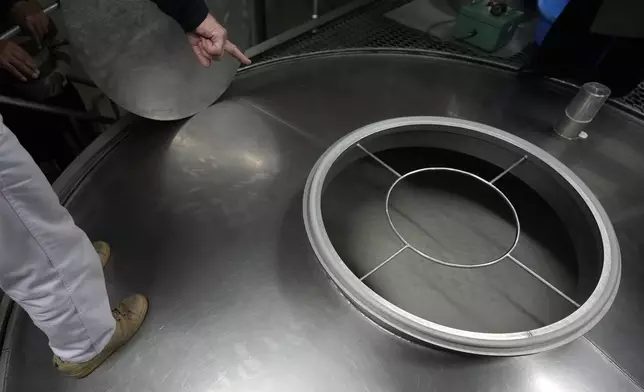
x: 47, y: 264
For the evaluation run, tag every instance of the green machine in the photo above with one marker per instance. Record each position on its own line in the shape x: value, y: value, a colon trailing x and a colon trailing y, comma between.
x: 488, y: 25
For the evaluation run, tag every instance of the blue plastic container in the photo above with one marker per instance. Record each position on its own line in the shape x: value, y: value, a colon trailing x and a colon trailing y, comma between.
x: 550, y: 11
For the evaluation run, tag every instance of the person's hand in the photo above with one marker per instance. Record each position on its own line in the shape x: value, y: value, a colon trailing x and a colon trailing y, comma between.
x: 210, y: 42
x: 31, y: 18
x: 15, y: 60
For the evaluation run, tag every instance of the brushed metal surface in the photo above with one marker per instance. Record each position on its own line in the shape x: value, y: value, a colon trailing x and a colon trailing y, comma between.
x: 141, y: 58
x: 370, y: 89
x: 205, y: 218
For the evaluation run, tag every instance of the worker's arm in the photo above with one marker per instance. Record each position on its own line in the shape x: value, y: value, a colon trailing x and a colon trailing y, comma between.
x: 30, y: 17
x: 28, y: 14
x: 188, y: 13
x: 208, y: 39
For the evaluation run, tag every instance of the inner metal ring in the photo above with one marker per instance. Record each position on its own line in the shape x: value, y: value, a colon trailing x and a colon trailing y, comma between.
x: 468, y: 174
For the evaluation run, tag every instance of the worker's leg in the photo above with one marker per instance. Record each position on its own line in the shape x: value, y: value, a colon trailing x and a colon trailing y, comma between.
x: 47, y: 264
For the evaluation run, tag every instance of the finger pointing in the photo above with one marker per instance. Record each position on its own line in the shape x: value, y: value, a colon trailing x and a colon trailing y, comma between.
x: 234, y: 51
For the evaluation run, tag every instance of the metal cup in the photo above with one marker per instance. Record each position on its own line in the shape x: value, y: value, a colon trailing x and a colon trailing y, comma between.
x: 582, y: 110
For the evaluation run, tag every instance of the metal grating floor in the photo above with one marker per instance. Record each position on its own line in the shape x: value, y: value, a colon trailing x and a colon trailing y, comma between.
x: 635, y: 99
x: 368, y: 27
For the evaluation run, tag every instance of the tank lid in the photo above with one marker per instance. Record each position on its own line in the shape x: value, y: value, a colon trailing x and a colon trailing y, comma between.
x: 141, y: 58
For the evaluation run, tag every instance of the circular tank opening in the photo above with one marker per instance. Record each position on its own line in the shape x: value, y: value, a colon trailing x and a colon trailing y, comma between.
x: 457, y: 234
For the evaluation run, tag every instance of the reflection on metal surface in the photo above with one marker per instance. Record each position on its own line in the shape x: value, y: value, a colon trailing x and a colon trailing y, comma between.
x: 141, y: 59
x: 253, y: 160
x: 189, y: 148
x: 488, y: 144
x: 472, y: 176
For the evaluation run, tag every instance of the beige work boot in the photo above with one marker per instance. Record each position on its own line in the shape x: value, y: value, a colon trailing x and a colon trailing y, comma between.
x: 129, y: 316
x: 103, y: 250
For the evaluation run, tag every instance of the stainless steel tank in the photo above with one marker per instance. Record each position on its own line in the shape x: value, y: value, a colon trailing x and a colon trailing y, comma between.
x: 205, y: 217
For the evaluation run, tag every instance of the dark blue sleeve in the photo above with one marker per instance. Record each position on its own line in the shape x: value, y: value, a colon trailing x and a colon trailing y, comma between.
x: 188, y: 13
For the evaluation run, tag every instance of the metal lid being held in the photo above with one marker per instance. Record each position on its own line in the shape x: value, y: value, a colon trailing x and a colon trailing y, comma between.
x: 142, y: 60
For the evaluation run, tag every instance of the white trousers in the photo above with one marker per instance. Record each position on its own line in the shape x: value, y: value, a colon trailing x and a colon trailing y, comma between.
x: 47, y: 264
